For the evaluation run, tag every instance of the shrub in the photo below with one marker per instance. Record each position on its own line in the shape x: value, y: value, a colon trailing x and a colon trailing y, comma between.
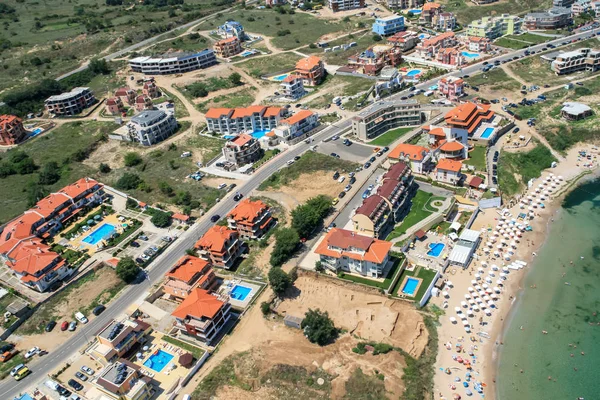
x: 279, y: 280
x: 286, y: 242
x: 132, y: 159
x: 104, y: 168
x: 160, y: 219
x: 265, y: 308
x: 318, y: 327
x: 129, y: 181
x: 127, y: 269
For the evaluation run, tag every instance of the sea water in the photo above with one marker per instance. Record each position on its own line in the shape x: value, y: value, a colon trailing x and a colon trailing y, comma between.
x: 564, y: 306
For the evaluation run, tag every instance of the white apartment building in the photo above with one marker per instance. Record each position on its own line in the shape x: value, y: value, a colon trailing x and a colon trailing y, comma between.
x: 231, y: 121
x: 151, y: 126
x: 177, y: 63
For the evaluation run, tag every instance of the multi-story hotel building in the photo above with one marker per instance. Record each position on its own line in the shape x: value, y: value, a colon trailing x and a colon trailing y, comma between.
x: 469, y: 116
x: 344, y: 5
x: 311, y: 70
x: 220, y: 246
x: 494, y: 27
x: 554, y: 18
x: 151, y: 126
x: 577, y: 60
x: 229, y: 47
x: 297, y: 125
x: 386, y: 26
x: 242, y: 149
x: 451, y: 87
x: 70, y: 103
x: 383, y: 116
x: 178, y: 63
x: 186, y: 275
x: 231, y: 121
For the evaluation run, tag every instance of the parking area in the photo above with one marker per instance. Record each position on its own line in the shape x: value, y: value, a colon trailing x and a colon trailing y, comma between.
x: 355, y: 152
x: 147, y: 243
x: 344, y: 216
x: 69, y: 373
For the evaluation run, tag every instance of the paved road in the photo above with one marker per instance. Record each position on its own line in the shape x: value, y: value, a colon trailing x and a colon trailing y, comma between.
x: 44, y: 365
x: 344, y: 216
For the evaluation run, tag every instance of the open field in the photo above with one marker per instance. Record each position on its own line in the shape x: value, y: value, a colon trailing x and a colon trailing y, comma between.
x: 189, y: 43
x: 337, y: 85
x: 242, y: 98
x: 466, y: 11
x: 363, y: 41
x: 516, y: 169
x: 390, y: 136
x: 494, y: 80
x: 521, y: 41
x: 271, y: 64
x: 67, y: 34
x: 288, y: 31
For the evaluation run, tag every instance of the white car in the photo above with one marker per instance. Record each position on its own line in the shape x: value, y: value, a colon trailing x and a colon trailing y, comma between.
x: 16, y: 369
x: 341, y: 179
x: 290, y: 162
x: 87, y: 370
x: 347, y: 188
x: 32, y: 352
x: 222, y: 186
x: 81, y: 318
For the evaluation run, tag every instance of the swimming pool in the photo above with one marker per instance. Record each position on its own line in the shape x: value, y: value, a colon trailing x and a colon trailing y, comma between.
x: 415, y: 11
x: 240, y: 292
x: 258, y: 134
x: 410, y: 286
x: 36, y: 132
x: 487, y: 133
x: 413, y: 72
x: 246, y: 53
x: 279, y: 78
x: 470, y: 55
x: 158, y: 360
x: 435, y: 249
x: 423, y: 36
x: 99, y: 234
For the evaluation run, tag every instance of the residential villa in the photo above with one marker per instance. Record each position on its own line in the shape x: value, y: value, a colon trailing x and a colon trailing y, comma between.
x: 232, y: 29
x: 342, y: 250
x: 404, y: 4
x: 177, y: 63
x: 447, y: 142
x: 251, y: 219
x: 292, y: 87
x: 450, y: 56
x: 123, y: 380
x: 386, y: 115
x: 375, y: 58
x: 386, y: 26
x: 11, y: 130
x: 494, y: 27
x: 554, y: 18
x: 116, y: 338
x: 202, y: 315
x: 114, y: 106
x: 186, y: 275
x: 376, y: 216
x: 151, y: 126
x: 297, y: 125
x: 127, y: 95
x: 226, y: 48
x: 220, y: 246
x: 429, y: 48
x: 445, y: 21
x: 143, y: 102
x: 584, y: 59
x: 311, y: 70
x: 242, y: 149
x: 231, y: 121
x: 469, y: 116
x: 418, y: 157
x: 406, y: 40
x: 70, y: 103
x: 150, y: 89
x: 451, y: 87
x: 21, y: 245
x: 479, y: 44
x: 428, y: 12
x: 448, y: 171
x: 581, y: 6
x: 344, y: 5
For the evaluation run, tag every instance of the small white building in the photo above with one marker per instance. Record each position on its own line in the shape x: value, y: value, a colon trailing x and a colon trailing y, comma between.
x: 465, y: 247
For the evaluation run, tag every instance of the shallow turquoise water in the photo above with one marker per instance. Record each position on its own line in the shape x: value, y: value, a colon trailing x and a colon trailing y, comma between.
x: 565, y: 311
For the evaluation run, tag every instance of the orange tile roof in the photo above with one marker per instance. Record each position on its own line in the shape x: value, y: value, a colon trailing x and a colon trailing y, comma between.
x: 225, y: 41
x: 50, y: 203
x: 298, y: 117
x: 414, y: 152
x: 141, y: 99
x: 449, y: 165
x: 468, y: 115
x: 181, y: 217
x: 375, y: 250
x: 31, y: 278
x: 438, y: 131
x: 247, y: 211
x: 430, y: 6
x: 291, y: 78
x: 452, y: 80
x: 272, y: 111
x: 271, y: 134
x: 186, y: 268
x: 218, y: 112
x: 478, y: 39
x: 198, y: 304
x: 214, y: 239
x: 18, y: 229
x: 436, y: 39
x: 241, y: 139
x: 247, y: 111
x: 124, y: 91
x: 451, y: 146
x: 31, y: 256
x: 308, y: 63
x: 113, y: 262
x: 78, y: 188
x: 8, y: 120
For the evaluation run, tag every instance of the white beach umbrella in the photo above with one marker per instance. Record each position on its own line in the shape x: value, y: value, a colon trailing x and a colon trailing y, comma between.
x: 478, y: 287
x: 507, y: 257
x: 486, y: 249
x: 500, y: 282
x: 491, y: 303
x: 480, y: 269
x: 470, y: 312
x: 467, y: 329
x: 477, y: 276
x: 464, y: 304
x: 470, y: 289
x: 488, y: 279
x: 486, y: 297
x: 484, y: 263
x: 496, y: 289
x: 502, y: 274
x: 453, y: 320
x: 494, y: 267
x: 465, y: 322
x: 488, y: 311
x: 489, y: 244
x: 457, y: 309
x: 471, y: 301
x: 445, y: 294
x: 494, y: 296
x: 449, y: 283
x: 499, y: 246
x: 506, y: 269
x: 530, y: 208
x: 497, y: 253
x: 560, y: 178
x: 467, y: 296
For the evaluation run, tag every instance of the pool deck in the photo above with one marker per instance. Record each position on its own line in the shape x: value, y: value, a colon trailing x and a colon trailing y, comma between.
x: 404, y: 281
x: 237, y: 304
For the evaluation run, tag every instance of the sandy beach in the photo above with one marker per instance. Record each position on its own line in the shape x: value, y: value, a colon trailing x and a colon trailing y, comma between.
x: 481, y: 345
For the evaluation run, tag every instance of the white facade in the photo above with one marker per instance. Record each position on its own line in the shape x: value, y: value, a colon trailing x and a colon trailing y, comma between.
x: 175, y: 64
x: 151, y: 126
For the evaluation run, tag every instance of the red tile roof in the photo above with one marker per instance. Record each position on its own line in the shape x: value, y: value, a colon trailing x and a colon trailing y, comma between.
x: 214, y: 239
x: 475, y: 181
x: 436, y: 39
x: 373, y: 250
x: 451, y: 146
x: 370, y: 204
x: 218, y: 112
x: 449, y: 165
x: 225, y: 41
x: 430, y: 6
x: 248, y: 211
x: 242, y: 139
x: 468, y: 115
x: 198, y: 304
x: 78, y: 188
x: 306, y: 64
x: 414, y: 152
x: 298, y: 117
x: 31, y: 257
x: 186, y: 268
x: 181, y: 217
x: 396, y: 171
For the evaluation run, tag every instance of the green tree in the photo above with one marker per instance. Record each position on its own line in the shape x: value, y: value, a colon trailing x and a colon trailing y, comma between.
x: 104, y: 168
x: 319, y: 267
x: 279, y: 280
x: 235, y: 78
x: 49, y: 174
x: 183, y: 198
x: 307, y: 217
x: 131, y: 203
x: 128, y: 181
x: 265, y: 308
x: 127, y: 269
x: 376, y: 38
x: 160, y: 219
x: 132, y: 159
x: 318, y: 327
x: 165, y: 188
x: 99, y: 66
x: 286, y: 242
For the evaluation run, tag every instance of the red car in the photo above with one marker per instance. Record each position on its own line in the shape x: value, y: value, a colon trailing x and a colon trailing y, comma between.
x: 64, y: 326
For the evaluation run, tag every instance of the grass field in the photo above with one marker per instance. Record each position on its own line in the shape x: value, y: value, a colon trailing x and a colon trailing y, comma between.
x: 466, y: 12
x: 180, y: 110
x: 496, y: 79
x: 390, y: 136
x: 243, y: 98
x: 308, y: 163
x: 339, y: 86
x: 370, y: 282
x: 259, y: 66
x: 303, y: 28
x: 521, y: 41
x: 477, y: 158
x: 363, y: 41
x: 418, y: 212
x: 516, y: 169
x: 192, y: 42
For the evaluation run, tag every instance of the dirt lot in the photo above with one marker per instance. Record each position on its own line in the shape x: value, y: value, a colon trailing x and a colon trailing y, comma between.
x: 63, y: 306
x: 366, y: 315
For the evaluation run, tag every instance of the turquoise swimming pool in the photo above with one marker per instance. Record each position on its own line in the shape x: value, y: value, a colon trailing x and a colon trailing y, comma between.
x: 410, y: 287
x: 415, y: 11
x: 240, y: 292
x: 413, y: 72
x: 158, y: 360
x: 435, y: 249
x: 470, y: 55
x: 99, y: 234
x: 279, y: 78
x: 487, y: 133
x: 259, y: 134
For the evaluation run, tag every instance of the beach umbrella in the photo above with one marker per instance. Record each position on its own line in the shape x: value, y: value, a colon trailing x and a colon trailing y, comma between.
x: 470, y: 289
x: 486, y: 297
x: 537, y: 190
x: 449, y: 283
x: 473, y: 282
x: 497, y: 254
x: 491, y: 304
x: 453, y: 320
x: 505, y: 269
x: 478, y: 287
x: 502, y: 274
x: 481, y: 292
x: 477, y: 276
x: 507, y: 257
x: 467, y: 328
x: 560, y: 178
x: 488, y: 312
x: 485, y: 286
x: 471, y: 301
x: 467, y: 296
x: 464, y: 304
x: 470, y: 312
x: 489, y: 244
x: 530, y: 208
x: 496, y: 289
x: 494, y: 267
x: 445, y: 294
x: 500, y: 282
x: 494, y: 296
x: 476, y: 308
x: 480, y: 269
x: 488, y: 279
x: 503, y: 241
x: 484, y: 263
x: 499, y: 246
x: 465, y: 322
x: 486, y: 249
x: 457, y: 309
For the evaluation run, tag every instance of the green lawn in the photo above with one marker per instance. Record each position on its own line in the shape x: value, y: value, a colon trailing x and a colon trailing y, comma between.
x: 466, y: 11
x: 417, y: 213
x: 370, y: 282
x: 259, y: 66
x: 197, y: 352
x: 180, y: 110
x: 243, y: 98
x: 516, y: 169
x: 511, y: 43
x: 477, y: 158
x: 288, y: 31
x: 496, y: 79
x: 425, y: 274
x: 390, y: 136
x: 308, y: 163
x: 189, y: 43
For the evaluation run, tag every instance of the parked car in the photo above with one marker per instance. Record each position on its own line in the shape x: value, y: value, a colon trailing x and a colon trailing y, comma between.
x: 215, y: 218
x: 134, y: 244
x: 140, y: 260
x: 7, y: 347
x: 352, y: 180
x: 351, y: 174
x: 336, y: 175
x: 334, y: 155
x: 75, y: 397
x: 385, y: 149
x: 376, y: 149
x: 341, y: 179
x: 238, y: 196
x: 50, y: 326
x: 347, y: 188
x: 296, y: 158
x: 75, y: 385
x: 87, y: 370
x: 367, y: 165
x: 63, y: 392
x: 372, y: 159
x: 342, y: 194
x: 81, y: 376
x: 335, y: 137
x: 32, y: 352
x: 494, y: 180
x: 16, y: 369
x: 379, y: 153
x: 335, y: 201
x: 72, y: 326
x: 64, y: 326
x: 366, y: 194
x: 99, y: 309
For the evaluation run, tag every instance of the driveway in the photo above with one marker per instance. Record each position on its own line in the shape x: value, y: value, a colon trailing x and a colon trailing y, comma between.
x: 355, y: 152
x: 344, y: 216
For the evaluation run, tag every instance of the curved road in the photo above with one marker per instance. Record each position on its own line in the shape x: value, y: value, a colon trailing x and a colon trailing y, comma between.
x: 44, y: 365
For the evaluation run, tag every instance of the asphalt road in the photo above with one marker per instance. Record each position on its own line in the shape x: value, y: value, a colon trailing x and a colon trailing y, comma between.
x: 44, y: 365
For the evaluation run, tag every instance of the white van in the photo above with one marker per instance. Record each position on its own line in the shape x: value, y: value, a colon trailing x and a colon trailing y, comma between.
x: 51, y: 384
x: 81, y: 318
